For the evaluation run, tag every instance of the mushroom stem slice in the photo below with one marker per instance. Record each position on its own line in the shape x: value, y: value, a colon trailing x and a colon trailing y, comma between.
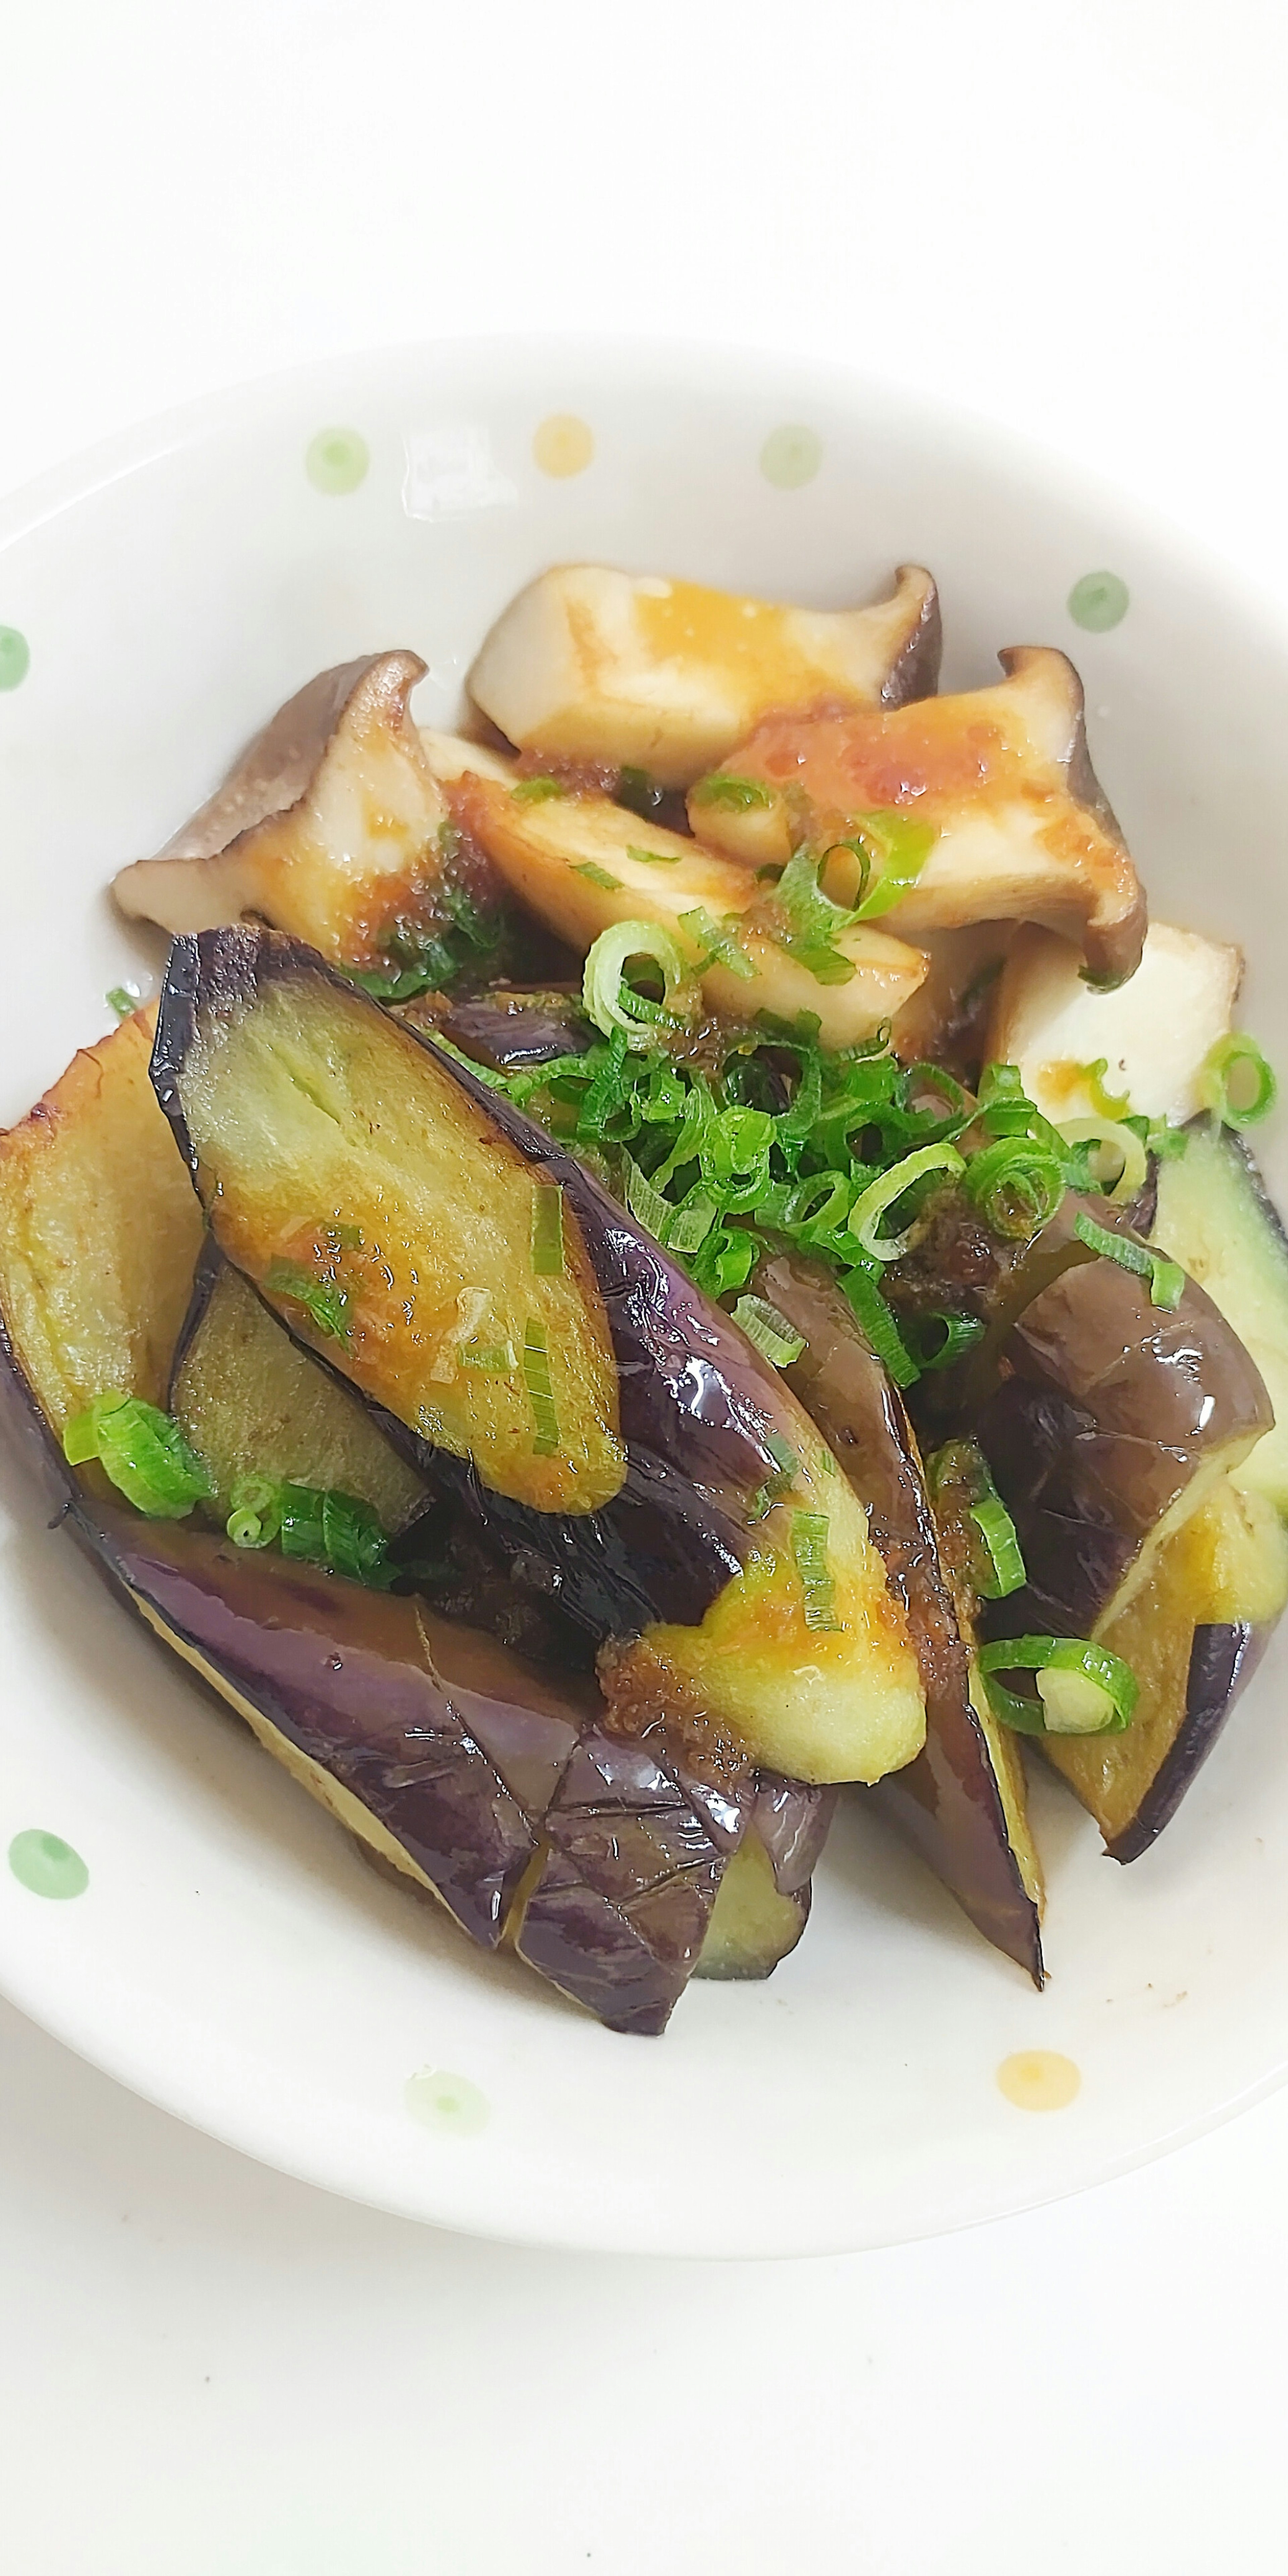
x: 1022, y: 830
x: 593, y: 664
x: 329, y: 825
x: 583, y: 863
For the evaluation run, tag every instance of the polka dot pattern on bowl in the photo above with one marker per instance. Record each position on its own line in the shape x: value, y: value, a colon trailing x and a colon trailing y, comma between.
x: 1039, y: 2079
x: 791, y: 456
x: 336, y: 460
x: 1097, y: 602
x: 450, y: 2103
x: 563, y: 444
x: 15, y: 657
x: 47, y: 1866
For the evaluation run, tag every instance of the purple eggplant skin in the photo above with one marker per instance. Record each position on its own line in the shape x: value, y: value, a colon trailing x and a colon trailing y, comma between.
x: 631, y: 1872
x: 476, y: 1767
x: 947, y: 1803
x: 793, y: 1822
x: 479, y: 1770
x: 1109, y: 1410
x: 1223, y: 1659
x: 512, y: 1030
x: 339, y: 1672
x: 697, y: 1405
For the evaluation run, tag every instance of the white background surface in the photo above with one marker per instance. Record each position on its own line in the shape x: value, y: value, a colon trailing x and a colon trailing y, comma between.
x: 1068, y: 216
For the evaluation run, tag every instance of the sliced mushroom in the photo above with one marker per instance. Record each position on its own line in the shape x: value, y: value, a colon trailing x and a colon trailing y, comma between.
x: 592, y: 664
x: 582, y: 863
x: 1022, y: 831
x: 1145, y: 1044
x: 327, y: 826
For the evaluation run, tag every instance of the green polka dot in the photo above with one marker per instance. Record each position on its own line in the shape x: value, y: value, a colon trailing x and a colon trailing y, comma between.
x: 1100, y: 600
x: 47, y: 1865
x: 337, y: 459
x: 791, y: 456
x: 15, y: 657
x: 440, y: 2100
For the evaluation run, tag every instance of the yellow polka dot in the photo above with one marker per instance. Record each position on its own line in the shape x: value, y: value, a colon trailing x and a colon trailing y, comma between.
x: 1036, y: 2079
x: 563, y: 444
x: 791, y: 456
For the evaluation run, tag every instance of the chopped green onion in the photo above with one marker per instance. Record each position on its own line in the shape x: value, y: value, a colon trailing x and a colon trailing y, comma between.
x: 691, y: 1222
x: 736, y: 795
x: 943, y: 1338
x: 872, y: 1312
x: 1100, y: 1703
x: 536, y: 1378
x: 809, y: 1549
x: 497, y: 1358
x: 547, y: 1230
x: 255, y: 1517
x: 725, y: 1259
x: 813, y: 921
x: 123, y: 999
x: 867, y: 1211
x: 786, y: 1470
x: 603, y: 997
x: 653, y: 1210
x: 655, y: 858
x: 326, y: 1303
x: 597, y: 876
x: 718, y: 940
x: 772, y: 1335
x: 1122, y: 1144
x: 143, y: 1452
x: 537, y: 791
x: 966, y: 1500
x: 639, y: 793
x: 1002, y: 1546
x: 316, y: 1525
x: 1016, y: 1185
x: 1107, y: 1104
x: 1166, y: 1278
x: 900, y: 847
x: 1237, y: 1082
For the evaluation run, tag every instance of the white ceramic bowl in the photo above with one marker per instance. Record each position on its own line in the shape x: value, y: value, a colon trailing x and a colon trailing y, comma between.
x: 230, y: 1956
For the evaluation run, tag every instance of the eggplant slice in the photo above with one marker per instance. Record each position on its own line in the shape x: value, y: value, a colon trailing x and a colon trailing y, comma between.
x: 450, y: 1758
x: 1113, y: 1423
x: 99, y: 1233
x: 1216, y: 1218
x: 632, y: 1450
x: 251, y: 1403
x: 961, y: 1804
x: 1191, y: 1659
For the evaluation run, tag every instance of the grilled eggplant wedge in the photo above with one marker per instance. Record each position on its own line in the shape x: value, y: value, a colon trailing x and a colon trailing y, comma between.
x: 448, y: 1756
x: 763, y: 1902
x: 1193, y: 1634
x: 99, y: 1236
x: 961, y: 1804
x: 403, y: 1221
x: 1215, y: 1217
x: 251, y: 1403
x: 1114, y: 1420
